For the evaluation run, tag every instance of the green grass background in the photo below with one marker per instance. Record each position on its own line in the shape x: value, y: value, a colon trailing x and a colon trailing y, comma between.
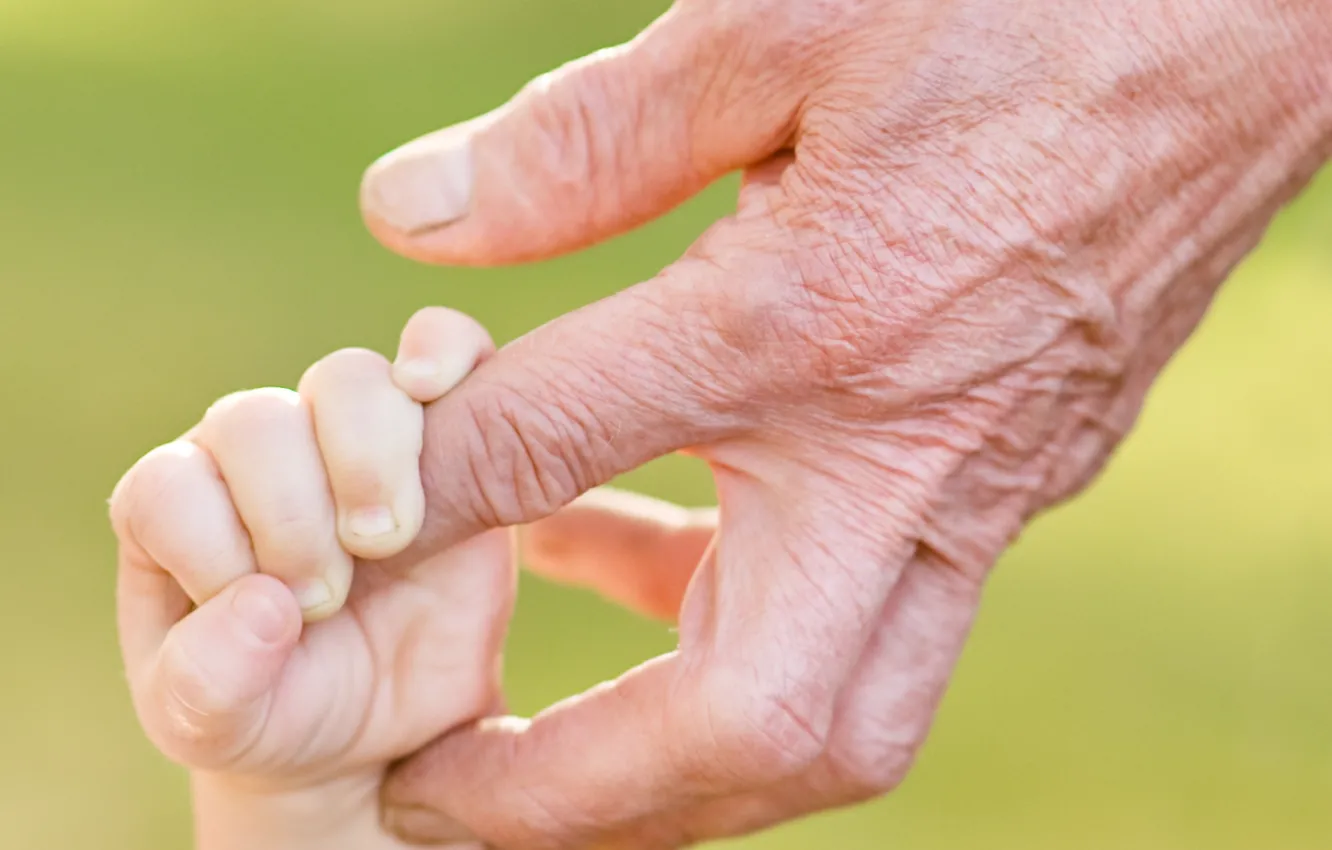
x: 1153, y: 667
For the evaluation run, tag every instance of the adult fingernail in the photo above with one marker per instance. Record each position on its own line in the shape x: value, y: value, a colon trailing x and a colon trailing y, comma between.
x: 419, y: 825
x: 261, y: 614
x: 371, y: 522
x: 422, y: 185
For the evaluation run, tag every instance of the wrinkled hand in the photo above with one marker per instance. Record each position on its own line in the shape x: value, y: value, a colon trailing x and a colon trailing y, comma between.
x: 971, y: 233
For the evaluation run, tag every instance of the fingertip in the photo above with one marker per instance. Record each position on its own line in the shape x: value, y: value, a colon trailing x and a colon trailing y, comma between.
x: 366, y: 529
x: 438, y: 349
x: 426, y: 380
x: 321, y: 597
x: 370, y: 434
x: 267, y: 609
x: 421, y: 186
x: 376, y: 532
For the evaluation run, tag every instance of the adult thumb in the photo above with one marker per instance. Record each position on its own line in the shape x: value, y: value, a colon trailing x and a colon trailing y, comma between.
x: 592, y: 149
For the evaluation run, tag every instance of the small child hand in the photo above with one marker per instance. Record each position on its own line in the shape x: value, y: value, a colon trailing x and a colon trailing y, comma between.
x: 259, y: 654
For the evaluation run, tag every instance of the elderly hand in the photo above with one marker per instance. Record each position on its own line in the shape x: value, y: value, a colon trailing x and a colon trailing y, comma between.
x: 971, y: 233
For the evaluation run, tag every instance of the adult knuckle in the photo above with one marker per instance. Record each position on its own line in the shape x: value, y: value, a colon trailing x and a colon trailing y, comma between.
x: 763, y: 734
x: 794, y: 35
x: 536, y: 822
x: 754, y: 349
x: 842, y: 317
x: 866, y: 772
x: 572, y: 124
x: 539, y: 817
x: 826, y: 307
x: 921, y: 314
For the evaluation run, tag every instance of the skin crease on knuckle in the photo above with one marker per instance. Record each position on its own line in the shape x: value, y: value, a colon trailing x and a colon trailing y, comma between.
x: 1032, y: 256
x: 241, y: 415
x: 990, y: 258
x: 162, y: 475
x: 1029, y: 233
x: 252, y: 409
x: 525, y: 474
x: 533, y: 448
x: 344, y: 363
x: 730, y: 736
x: 568, y: 144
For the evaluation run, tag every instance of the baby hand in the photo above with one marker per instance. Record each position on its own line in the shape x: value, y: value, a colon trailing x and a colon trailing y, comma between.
x: 258, y: 655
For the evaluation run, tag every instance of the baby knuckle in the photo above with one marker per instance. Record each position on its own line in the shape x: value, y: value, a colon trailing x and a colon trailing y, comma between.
x: 183, y: 735
x: 163, y: 477
x: 294, y: 540
x: 356, y: 360
x: 345, y: 364
x: 187, y: 725
x: 254, y: 410
x: 363, y: 477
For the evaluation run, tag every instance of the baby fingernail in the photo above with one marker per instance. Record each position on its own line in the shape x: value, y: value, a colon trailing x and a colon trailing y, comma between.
x: 371, y: 522
x: 419, y: 370
x: 314, y: 596
x: 427, y: 379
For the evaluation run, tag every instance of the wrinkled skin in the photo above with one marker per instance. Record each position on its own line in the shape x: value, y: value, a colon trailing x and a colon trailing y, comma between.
x: 971, y: 234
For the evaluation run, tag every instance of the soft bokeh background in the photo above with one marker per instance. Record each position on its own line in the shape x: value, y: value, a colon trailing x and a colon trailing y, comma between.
x: 177, y: 220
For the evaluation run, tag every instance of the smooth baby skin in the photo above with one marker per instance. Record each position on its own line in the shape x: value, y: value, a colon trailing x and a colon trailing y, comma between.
x: 262, y: 653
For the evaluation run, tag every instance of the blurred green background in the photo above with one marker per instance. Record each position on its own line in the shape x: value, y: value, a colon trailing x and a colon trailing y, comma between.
x: 177, y: 220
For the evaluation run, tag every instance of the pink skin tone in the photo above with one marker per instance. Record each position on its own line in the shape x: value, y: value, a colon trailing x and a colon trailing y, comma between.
x: 298, y: 679
x: 970, y: 235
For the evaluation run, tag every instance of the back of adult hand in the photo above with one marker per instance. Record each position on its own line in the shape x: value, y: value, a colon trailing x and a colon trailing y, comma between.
x: 971, y: 233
